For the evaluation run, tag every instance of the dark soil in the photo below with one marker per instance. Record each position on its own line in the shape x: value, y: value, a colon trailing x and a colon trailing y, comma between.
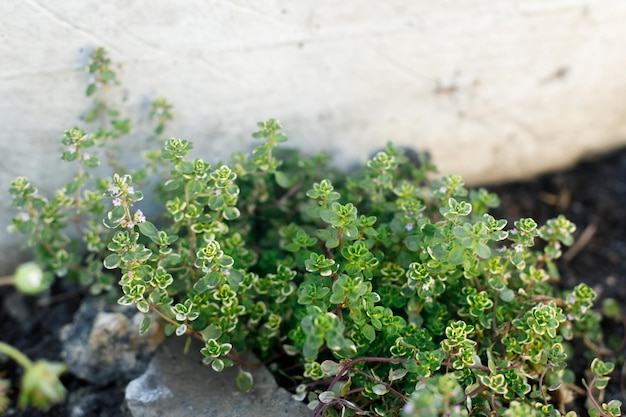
x: 592, y: 195
x: 32, y: 325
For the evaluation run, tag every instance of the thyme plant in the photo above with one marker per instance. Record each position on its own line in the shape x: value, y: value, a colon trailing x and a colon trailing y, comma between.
x: 386, y: 291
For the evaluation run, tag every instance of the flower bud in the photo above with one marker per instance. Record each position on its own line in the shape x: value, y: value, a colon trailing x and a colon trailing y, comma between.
x: 30, y: 279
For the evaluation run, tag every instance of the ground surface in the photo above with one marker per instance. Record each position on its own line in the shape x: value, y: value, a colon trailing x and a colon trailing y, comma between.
x: 593, y: 195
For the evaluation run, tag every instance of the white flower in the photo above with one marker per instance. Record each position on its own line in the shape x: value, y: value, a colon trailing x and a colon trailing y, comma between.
x: 139, y: 217
x: 426, y: 286
x: 117, y: 202
x: 409, y: 227
x: 72, y: 149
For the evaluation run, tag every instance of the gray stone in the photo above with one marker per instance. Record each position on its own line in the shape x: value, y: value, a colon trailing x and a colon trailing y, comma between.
x: 103, y: 343
x: 179, y: 385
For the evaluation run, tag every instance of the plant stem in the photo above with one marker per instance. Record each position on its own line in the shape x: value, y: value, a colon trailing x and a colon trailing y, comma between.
x: 349, y: 364
x: 16, y: 355
x: 6, y: 280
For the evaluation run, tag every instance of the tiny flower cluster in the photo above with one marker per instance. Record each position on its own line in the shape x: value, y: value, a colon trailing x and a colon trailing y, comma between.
x: 123, y: 197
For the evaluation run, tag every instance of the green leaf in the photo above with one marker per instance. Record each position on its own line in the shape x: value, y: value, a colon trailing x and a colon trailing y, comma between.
x: 328, y: 216
x: 483, y: 251
x: 281, y: 179
x: 231, y: 213
x: 107, y: 75
x: 397, y: 373
x: 368, y: 332
x: 91, y: 88
x: 330, y: 367
x: 143, y: 306
x: 145, y: 324
x: 456, y: 256
x: 217, y: 365
x: 216, y: 202
x: 211, y: 332
x: 112, y: 261
x: 169, y: 329
x: 244, y: 380
x: 460, y: 232
x: 380, y: 389
x: 311, y: 346
x: 413, y: 242
x: 333, y: 242
x: 172, y: 185
x: 411, y: 365
x: 71, y: 187
x: 149, y: 230
x: 507, y: 295
x: 327, y: 396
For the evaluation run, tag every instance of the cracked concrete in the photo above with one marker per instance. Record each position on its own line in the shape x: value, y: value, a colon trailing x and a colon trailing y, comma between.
x: 496, y: 90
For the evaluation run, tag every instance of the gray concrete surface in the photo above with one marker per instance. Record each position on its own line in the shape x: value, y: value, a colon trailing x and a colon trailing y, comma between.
x: 494, y: 89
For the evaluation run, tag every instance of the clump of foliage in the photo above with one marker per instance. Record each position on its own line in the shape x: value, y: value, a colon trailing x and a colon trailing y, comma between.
x: 392, y: 291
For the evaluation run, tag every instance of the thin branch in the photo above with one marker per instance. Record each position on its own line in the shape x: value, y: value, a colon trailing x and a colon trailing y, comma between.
x: 284, y: 197
x: 580, y: 244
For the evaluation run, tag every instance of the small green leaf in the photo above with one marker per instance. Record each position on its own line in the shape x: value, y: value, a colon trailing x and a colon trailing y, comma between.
x: 411, y: 365
x: 330, y: 367
x: 281, y: 179
x: 91, y: 88
x: 181, y: 329
x: 172, y: 185
x: 216, y: 202
x: 217, y: 365
x: 456, y: 256
x: 368, y: 332
x: 327, y: 396
x: 244, y: 380
x: 143, y: 306
x: 147, y: 229
x: 483, y: 251
x: 380, y: 389
x: 107, y: 75
x: 231, y: 213
x: 507, y: 295
x: 397, y: 373
x: 169, y: 329
x: 145, y: 324
x: 112, y: 261
x: 413, y: 242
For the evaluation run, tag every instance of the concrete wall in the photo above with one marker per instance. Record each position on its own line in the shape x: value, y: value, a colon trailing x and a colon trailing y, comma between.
x: 494, y: 89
